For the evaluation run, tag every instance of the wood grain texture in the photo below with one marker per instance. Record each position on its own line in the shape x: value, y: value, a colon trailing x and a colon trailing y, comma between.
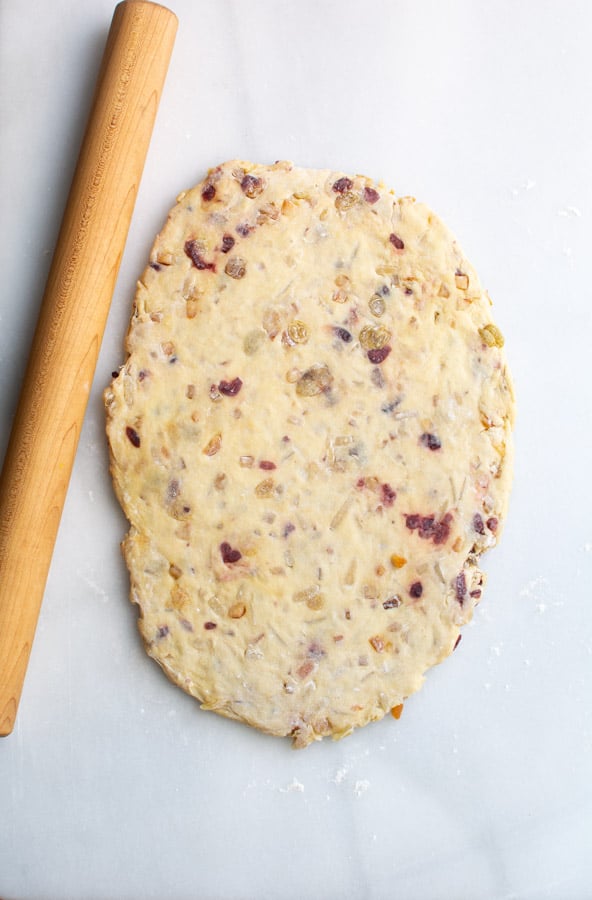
x: 71, y: 322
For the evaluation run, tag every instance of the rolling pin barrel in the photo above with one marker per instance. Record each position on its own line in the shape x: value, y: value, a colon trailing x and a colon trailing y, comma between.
x: 71, y: 322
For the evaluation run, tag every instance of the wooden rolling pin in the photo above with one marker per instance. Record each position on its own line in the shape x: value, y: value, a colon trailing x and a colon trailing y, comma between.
x: 71, y: 322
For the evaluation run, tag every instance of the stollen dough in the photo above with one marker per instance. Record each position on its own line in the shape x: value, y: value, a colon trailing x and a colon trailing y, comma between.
x: 311, y: 439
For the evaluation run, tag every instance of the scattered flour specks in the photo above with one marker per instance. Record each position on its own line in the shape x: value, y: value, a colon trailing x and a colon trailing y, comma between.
x: 96, y: 588
x: 294, y: 787
x: 570, y: 211
x: 543, y: 594
x: 340, y: 774
x: 361, y: 787
x: 536, y: 589
x: 528, y: 185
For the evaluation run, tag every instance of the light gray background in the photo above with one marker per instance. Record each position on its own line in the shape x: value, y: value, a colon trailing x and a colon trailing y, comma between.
x: 114, y: 783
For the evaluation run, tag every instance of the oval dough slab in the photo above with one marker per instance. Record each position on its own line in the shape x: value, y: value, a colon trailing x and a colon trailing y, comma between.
x: 311, y: 439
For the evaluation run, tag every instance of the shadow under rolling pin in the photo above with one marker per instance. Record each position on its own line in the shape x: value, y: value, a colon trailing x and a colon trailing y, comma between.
x: 72, y: 319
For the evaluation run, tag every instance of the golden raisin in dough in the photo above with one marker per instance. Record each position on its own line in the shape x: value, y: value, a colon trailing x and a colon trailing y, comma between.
x: 311, y: 439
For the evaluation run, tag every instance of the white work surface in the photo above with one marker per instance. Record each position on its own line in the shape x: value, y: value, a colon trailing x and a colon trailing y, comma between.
x: 114, y: 784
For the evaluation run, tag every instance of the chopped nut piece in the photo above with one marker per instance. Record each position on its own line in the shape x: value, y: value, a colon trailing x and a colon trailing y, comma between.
x: 183, y: 532
x: 165, y: 258
x: 339, y: 296
x: 305, y: 669
x: 315, y: 380
x: 340, y: 514
x: 237, y: 611
x: 350, y: 575
x: 312, y: 596
x: 253, y: 341
x: 178, y: 597
x: 345, y: 201
x: 292, y: 375
x: 461, y: 281
x: 377, y: 643
x: 374, y: 337
x: 220, y: 481
x: 377, y: 305
x: 265, y: 488
x: 297, y: 332
x: 271, y: 322
x: 268, y: 212
x: 236, y: 267
x: 191, y: 307
x: 213, y: 445
x: 491, y: 335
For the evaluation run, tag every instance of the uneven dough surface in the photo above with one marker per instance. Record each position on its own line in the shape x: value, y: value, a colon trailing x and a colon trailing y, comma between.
x: 311, y: 440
